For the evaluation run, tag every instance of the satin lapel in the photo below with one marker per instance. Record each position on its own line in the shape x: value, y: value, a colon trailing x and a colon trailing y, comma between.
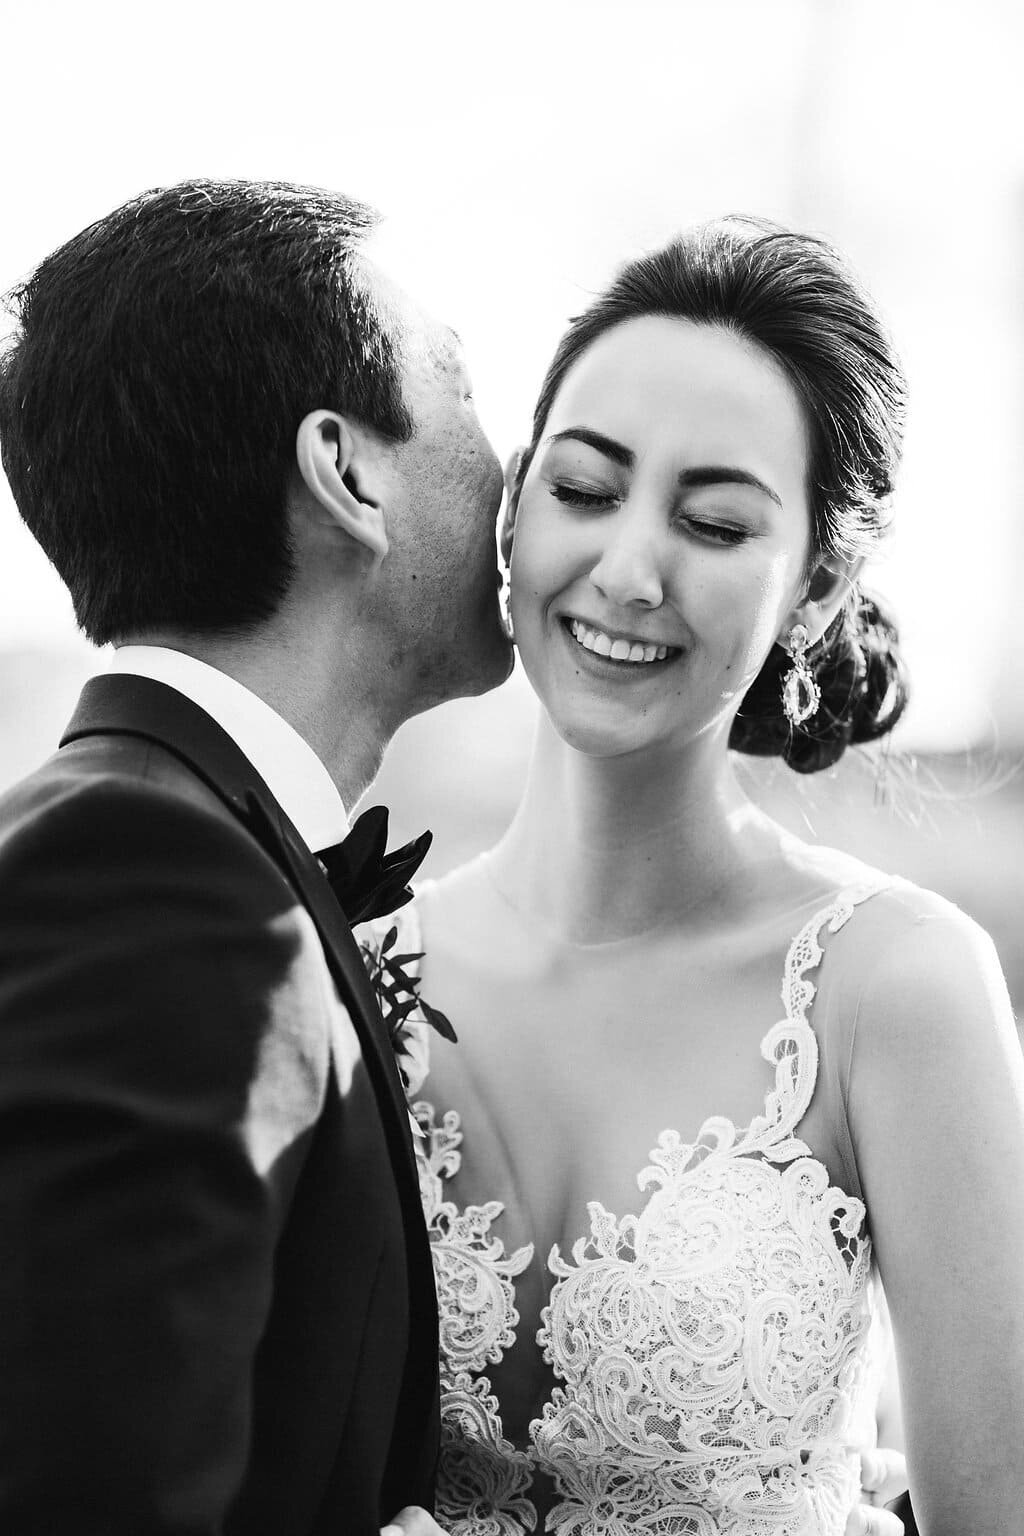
x: 346, y: 964
x: 122, y: 704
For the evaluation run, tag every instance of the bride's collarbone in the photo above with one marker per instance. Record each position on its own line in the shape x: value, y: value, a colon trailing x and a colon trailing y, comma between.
x: 609, y: 1023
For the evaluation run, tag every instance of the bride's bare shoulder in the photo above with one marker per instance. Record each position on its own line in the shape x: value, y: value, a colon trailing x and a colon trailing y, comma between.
x: 814, y: 867
x: 911, y: 954
x: 904, y: 932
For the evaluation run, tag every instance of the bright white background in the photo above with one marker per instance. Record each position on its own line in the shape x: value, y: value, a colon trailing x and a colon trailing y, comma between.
x: 522, y: 150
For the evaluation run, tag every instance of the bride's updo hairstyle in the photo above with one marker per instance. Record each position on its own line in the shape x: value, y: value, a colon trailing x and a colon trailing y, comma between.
x: 796, y: 298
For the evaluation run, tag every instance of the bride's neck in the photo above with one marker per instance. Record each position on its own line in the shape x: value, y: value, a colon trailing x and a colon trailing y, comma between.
x: 601, y: 848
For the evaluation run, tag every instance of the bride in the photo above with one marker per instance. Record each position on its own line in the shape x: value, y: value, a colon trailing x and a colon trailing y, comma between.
x: 661, y: 1200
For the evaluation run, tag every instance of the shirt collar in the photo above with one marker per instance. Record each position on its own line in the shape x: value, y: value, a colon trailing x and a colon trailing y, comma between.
x: 287, y: 764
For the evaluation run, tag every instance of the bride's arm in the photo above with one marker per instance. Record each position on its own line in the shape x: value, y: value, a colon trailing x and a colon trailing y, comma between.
x: 936, y: 1108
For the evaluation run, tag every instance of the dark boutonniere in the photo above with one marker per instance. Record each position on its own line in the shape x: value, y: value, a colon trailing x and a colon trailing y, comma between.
x: 398, y: 995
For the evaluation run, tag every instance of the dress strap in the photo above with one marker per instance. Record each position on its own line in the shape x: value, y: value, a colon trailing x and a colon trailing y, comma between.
x: 791, y: 1046
x: 806, y: 951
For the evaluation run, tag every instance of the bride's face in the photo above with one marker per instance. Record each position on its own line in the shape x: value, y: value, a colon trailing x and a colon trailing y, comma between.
x: 662, y: 535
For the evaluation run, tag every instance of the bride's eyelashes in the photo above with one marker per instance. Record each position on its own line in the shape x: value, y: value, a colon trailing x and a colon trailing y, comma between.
x: 729, y: 534
x: 585, y: 498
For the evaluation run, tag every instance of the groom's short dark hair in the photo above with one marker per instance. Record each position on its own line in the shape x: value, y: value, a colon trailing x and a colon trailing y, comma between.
x: 149, y: 400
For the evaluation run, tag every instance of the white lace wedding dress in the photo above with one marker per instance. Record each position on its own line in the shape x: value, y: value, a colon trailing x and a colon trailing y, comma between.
x: 716, y: 1353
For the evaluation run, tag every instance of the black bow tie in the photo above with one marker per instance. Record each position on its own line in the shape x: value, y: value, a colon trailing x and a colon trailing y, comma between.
x: 367, y: 881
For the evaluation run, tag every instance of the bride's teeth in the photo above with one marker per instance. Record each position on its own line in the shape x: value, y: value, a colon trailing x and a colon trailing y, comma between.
x: 618, y: 650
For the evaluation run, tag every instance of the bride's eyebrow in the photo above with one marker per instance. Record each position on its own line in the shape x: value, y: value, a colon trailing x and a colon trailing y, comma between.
x: 617, y: 452
x: 722, y: 474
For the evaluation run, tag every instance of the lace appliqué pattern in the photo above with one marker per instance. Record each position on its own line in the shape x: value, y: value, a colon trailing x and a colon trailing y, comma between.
x: 712, y: 1351
x: 713, y: 1347
x: 483, y: 1480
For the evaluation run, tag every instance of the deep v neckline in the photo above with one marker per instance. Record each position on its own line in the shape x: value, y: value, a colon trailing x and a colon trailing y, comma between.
x: 478, y: 1263
x: 788, y: 1096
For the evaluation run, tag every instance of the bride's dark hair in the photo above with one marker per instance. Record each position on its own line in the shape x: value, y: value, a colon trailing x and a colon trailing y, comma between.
x: 795, y: 297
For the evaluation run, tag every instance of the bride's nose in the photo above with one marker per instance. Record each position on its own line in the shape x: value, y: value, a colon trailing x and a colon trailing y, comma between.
x: 628, y: 570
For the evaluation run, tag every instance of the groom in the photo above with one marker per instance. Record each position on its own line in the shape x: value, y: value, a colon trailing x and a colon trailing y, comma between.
x: 257, y: 468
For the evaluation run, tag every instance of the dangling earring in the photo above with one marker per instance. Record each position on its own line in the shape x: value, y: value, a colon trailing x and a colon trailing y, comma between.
x: 800, y: 693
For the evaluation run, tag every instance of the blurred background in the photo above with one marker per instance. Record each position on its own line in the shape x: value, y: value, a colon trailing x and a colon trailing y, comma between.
x: 521, y: 151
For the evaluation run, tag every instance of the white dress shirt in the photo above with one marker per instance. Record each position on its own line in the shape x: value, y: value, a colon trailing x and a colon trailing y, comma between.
x: 287, y: 764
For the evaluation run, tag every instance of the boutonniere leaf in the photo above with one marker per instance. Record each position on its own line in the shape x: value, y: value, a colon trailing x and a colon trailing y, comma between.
x: 398, y: 995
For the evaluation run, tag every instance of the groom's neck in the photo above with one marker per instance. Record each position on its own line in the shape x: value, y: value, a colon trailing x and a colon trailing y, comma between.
x: 328, y: 698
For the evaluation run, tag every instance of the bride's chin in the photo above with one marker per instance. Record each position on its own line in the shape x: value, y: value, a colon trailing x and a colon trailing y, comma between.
x: 661, y: 736
x: 595, y: 738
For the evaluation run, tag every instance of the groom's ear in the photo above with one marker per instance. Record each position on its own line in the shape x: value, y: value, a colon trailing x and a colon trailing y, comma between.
x: 338, y: 467
x: 513, y: 468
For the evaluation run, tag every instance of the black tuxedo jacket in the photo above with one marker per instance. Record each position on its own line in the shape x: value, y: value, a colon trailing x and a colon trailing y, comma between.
x: 217, y: 1307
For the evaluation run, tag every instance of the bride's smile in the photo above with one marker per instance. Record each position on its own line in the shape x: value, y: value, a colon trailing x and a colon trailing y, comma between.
x: 621, y: 650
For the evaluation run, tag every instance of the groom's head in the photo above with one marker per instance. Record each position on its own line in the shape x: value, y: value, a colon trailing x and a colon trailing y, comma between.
x: 212, y: 379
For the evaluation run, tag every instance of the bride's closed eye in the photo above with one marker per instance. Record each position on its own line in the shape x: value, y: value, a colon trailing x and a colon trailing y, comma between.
x: 718, y: 533
x: 585, y: 498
